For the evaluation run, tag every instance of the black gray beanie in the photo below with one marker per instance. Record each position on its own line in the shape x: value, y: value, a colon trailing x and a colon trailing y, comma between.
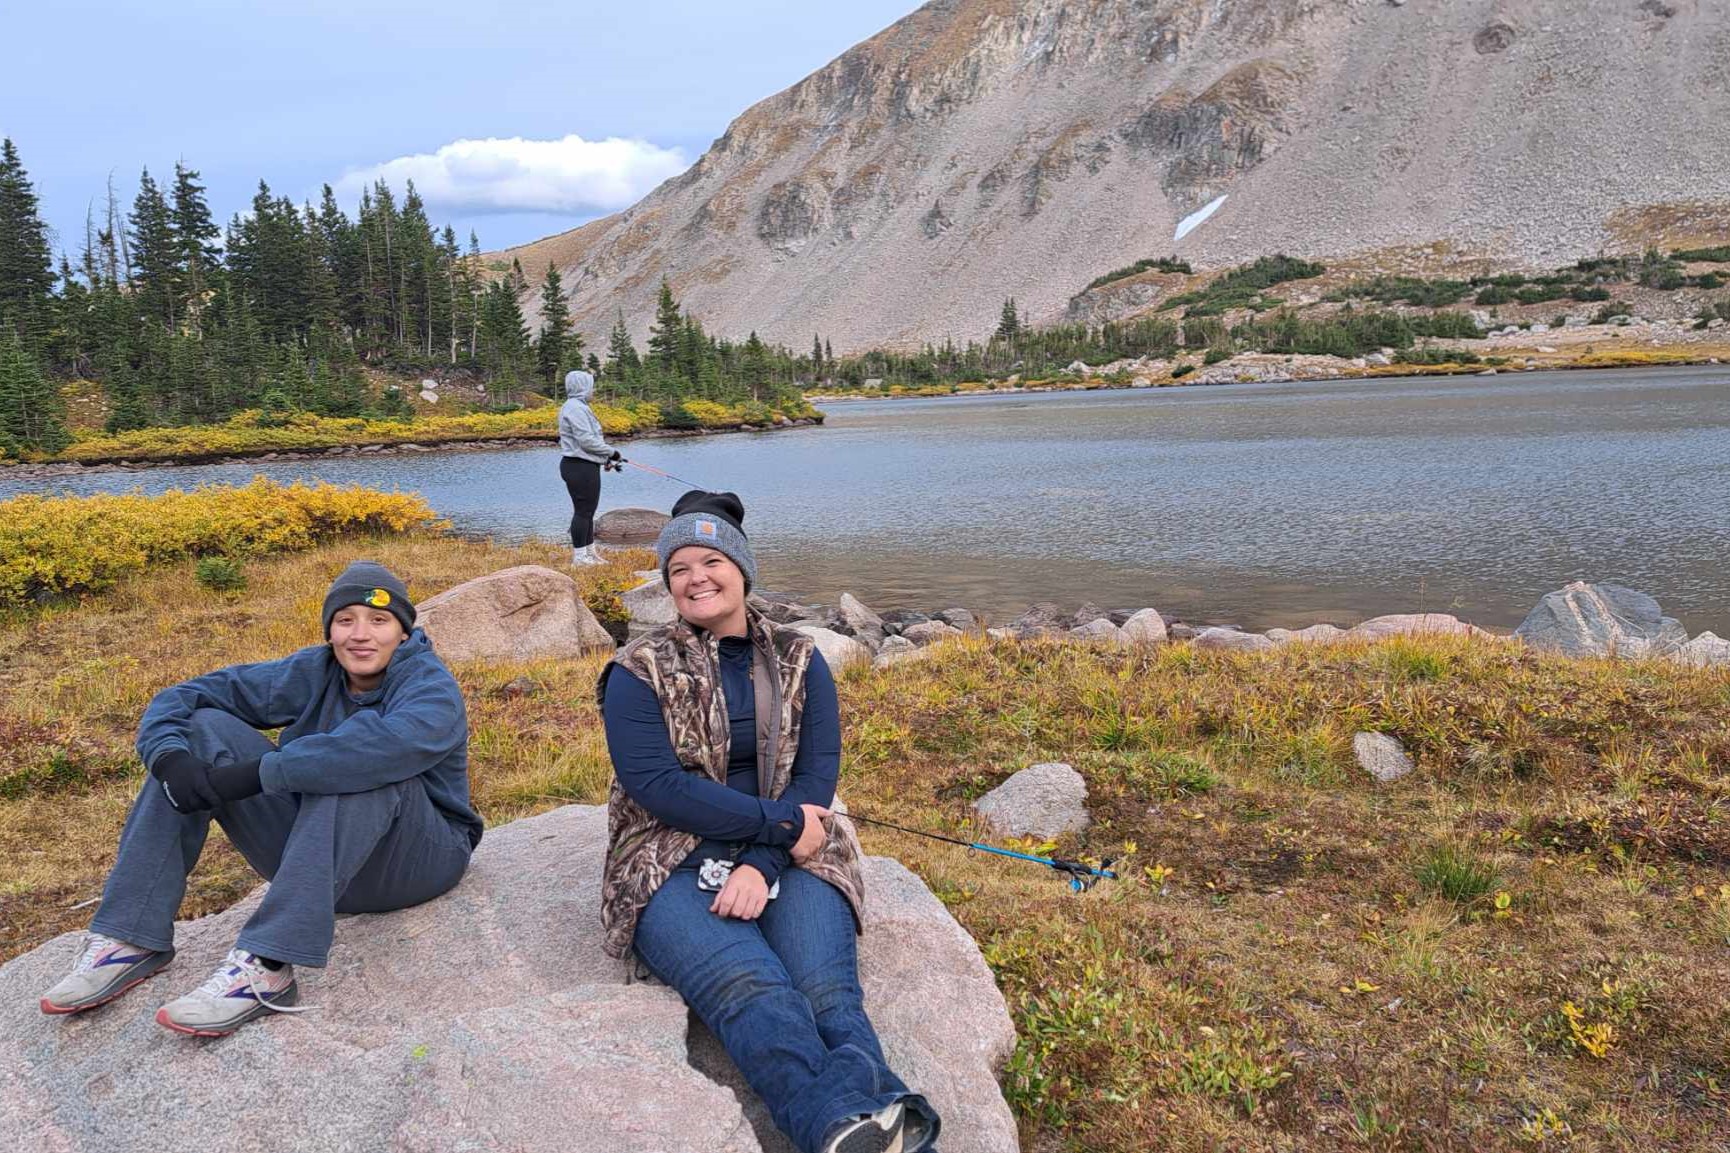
x: 368, y: 583
x: 713, y: 520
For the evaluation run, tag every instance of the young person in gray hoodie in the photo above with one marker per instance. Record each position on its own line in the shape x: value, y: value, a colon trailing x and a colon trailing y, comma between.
x: 584, y: 451
x: 360, y: 806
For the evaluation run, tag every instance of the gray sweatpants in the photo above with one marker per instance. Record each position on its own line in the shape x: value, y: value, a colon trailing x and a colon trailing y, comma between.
x: 323, y: 854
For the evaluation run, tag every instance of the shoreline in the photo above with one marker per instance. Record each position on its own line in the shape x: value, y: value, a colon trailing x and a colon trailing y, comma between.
x: 1517, y: 356
x: 49, y: 470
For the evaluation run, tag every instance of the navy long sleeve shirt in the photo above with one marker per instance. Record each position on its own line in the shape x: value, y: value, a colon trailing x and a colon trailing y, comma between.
x: 733, y: 820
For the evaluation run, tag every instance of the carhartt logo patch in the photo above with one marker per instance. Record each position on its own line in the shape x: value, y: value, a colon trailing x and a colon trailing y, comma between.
x: 379, y: 599
x: 706, y: 528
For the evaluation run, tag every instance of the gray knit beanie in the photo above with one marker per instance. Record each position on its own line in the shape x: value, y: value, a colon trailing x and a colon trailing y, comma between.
x: 369, y: 583
x: 713, y: 520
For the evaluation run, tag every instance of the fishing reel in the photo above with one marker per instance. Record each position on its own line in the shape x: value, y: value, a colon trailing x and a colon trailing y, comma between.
x: 1082, y: 876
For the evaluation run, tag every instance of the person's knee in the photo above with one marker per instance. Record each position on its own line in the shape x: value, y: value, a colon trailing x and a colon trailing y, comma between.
x: 833, y: 994
x: 214, y: 734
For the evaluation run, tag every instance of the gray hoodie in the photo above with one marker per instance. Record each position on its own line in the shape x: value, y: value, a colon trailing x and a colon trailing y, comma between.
x: 579, y: 431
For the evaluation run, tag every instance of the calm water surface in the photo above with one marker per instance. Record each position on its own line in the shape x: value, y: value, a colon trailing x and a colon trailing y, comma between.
x: 1258, y: 505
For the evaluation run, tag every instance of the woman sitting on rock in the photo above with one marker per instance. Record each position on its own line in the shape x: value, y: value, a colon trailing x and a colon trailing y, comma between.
x: 725, y: 869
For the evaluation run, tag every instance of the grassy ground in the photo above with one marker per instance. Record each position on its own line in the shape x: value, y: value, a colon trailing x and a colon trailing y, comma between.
x: 1525, y: 943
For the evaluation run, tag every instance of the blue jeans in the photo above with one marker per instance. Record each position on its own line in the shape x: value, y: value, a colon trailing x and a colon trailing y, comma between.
x: 782, y: 994
x: 323, y: 854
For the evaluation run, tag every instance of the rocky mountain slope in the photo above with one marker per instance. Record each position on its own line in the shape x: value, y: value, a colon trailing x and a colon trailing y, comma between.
x: 979, y: 149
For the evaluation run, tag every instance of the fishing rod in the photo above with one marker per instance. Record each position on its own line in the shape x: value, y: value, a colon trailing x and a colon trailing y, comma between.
x: 651, y: 469
x: 1082, y: 876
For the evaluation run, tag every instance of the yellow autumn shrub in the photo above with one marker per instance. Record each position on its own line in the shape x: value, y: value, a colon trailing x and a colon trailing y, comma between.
x: 60, y: 545
x: 251, y: 432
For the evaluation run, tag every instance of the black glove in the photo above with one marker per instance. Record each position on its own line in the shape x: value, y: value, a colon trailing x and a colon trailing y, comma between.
x: 236, y: 782
x: 615, y: 458
x: 185, y: 780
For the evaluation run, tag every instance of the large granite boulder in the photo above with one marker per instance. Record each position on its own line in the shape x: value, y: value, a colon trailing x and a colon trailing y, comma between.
x: 630, y: 526
x: 1601, y: 620
x: 517, y: 614
x: 650, y: 606
x: 1039, y: 801
x: 488, y: 1019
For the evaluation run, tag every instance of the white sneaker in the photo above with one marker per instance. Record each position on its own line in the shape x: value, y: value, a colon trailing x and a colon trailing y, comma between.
x: 881, y: 1132
x: 240, y: 989
x: 585, y: 556
x: 104, y: 970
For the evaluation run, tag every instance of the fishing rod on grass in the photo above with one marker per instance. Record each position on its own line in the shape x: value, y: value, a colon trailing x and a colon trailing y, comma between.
x: 1082, y: 876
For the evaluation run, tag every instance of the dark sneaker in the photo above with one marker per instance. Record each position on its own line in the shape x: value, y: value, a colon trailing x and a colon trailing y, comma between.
x: 241, y: 988
x: 878, y: 1133
x: 104, y: 970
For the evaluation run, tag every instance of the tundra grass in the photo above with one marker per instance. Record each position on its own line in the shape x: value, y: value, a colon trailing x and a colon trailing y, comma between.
x: 1525, y: 943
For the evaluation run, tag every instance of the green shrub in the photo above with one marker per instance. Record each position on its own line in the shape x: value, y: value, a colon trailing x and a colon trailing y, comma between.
x: 221, y: 574
x: 1215, y: 355
x: 1182, y: 370
x: 1718, y: 255
x: 1455, y: 873
x: 675, y: 415
x: 1242, y: 286
x: 1162, y: 263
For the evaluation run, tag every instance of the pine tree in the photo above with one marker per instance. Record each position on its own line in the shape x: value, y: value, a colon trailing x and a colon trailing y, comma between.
x: 664, y: 333
x: 31, y: 417
x: 155, y: 255
x: 622, y: 367
x: 829, y: 355
x: 198, y: 258
x: 1009, y: 323
x: 754, y: 366
x: 816, y: 357
x: 26, y: 265
x: 555, y: 326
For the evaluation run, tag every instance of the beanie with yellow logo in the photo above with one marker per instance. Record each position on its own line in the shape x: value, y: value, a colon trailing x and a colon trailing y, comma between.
x: 368, y: 583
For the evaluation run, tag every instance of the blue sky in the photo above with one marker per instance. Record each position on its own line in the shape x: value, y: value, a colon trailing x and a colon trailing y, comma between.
x: 574, y: 109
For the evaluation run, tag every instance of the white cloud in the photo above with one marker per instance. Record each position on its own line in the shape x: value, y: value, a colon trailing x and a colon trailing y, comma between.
x: 516, y: 175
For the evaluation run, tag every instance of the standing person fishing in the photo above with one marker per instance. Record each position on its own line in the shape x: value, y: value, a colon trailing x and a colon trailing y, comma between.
x: 726, y: 872
x: 584, y: 451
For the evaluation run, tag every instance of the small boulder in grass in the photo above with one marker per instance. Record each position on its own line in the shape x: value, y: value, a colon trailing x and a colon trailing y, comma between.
x: 839, y: 652
x: 855, y: 619
x: 929, y: 632
x: 1099, y: 632
x: 1708, y: 650
x: 1231, y: 640
x: 1040, y: 801
x: 1146, y: 627
x: 1381, y: 756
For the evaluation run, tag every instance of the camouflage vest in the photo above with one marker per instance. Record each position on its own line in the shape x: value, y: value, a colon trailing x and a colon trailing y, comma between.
x: 682, y: 666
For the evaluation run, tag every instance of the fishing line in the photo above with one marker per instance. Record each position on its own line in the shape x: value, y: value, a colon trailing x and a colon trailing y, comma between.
x: 649, y: 468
